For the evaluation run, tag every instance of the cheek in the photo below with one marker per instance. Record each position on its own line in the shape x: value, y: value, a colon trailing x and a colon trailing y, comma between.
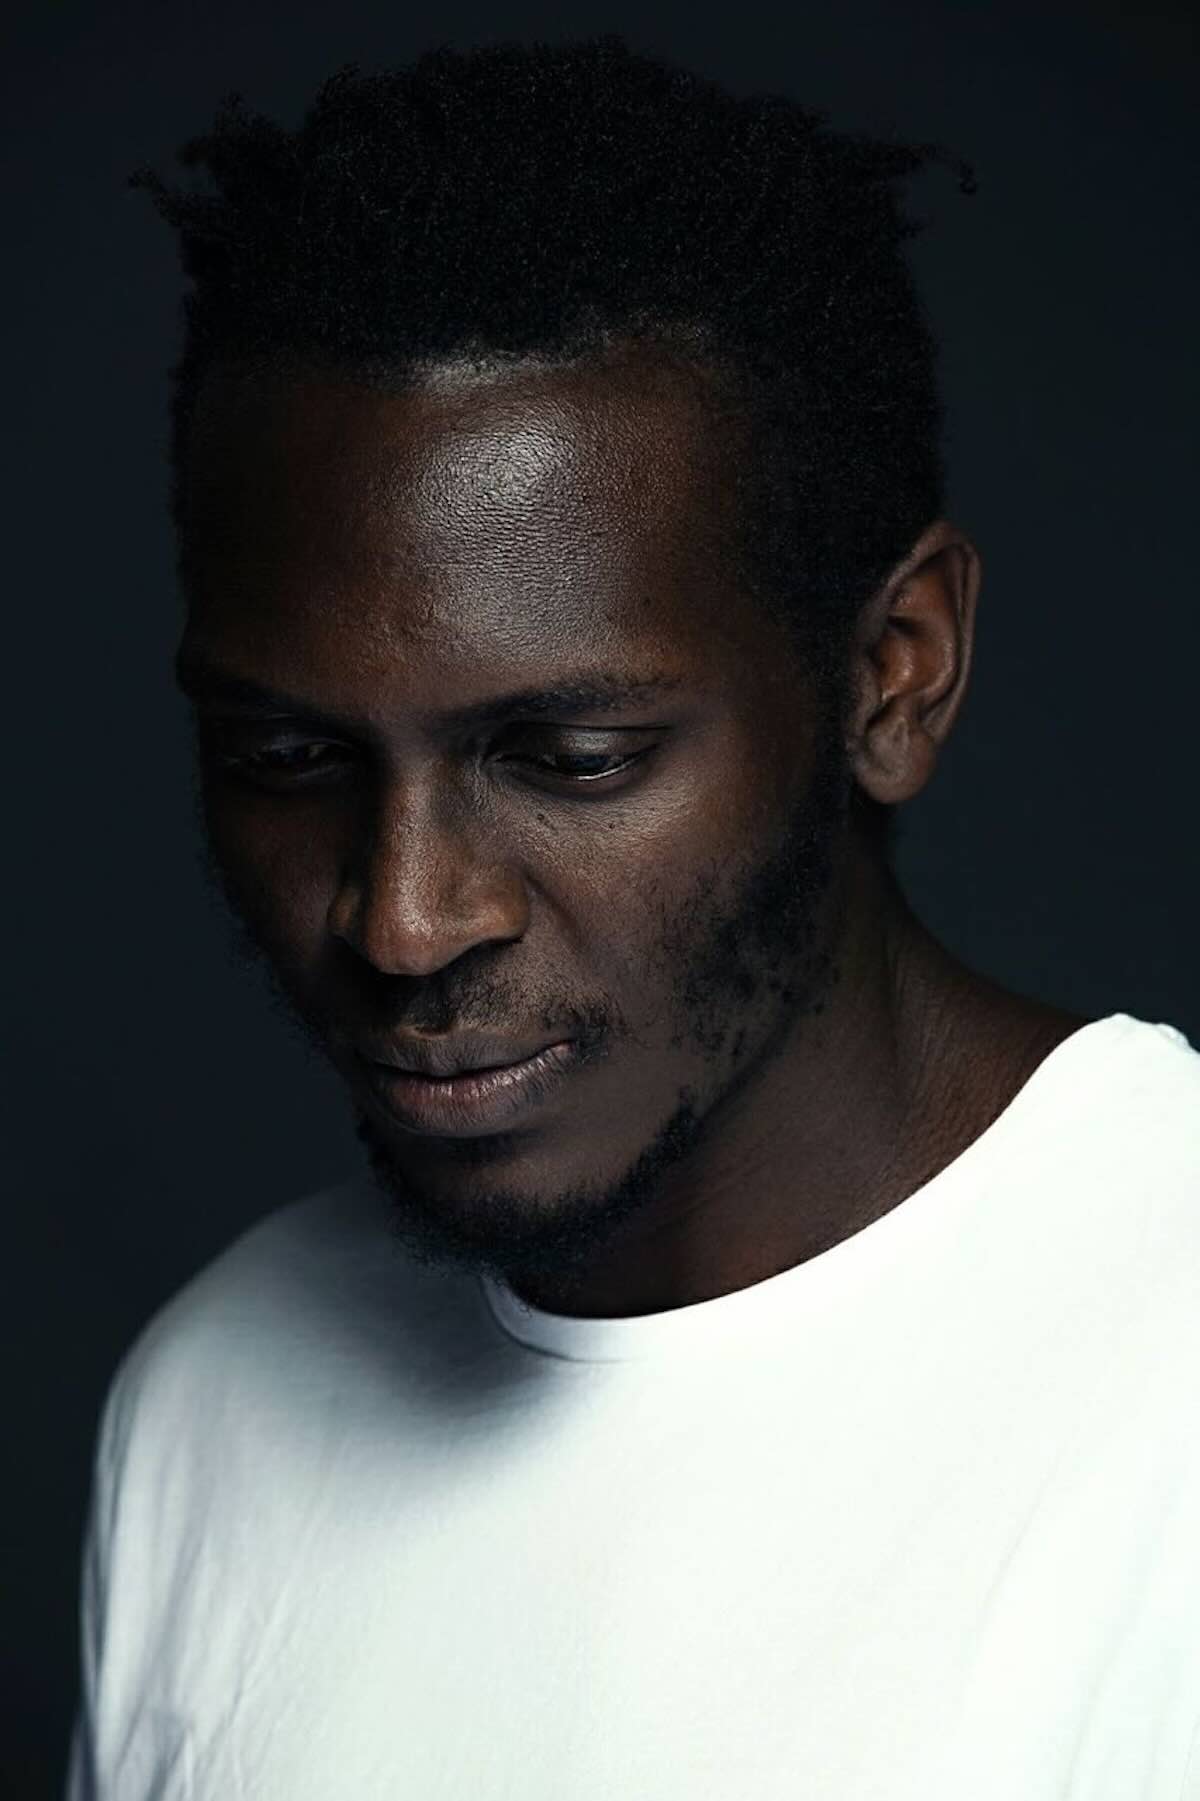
x: 279, y: 867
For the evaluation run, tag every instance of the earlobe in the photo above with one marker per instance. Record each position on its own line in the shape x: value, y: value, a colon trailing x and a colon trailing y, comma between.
x: 912, y: 661
x: 894, y: 758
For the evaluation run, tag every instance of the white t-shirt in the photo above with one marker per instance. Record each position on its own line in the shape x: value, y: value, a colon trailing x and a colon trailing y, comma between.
x: 916, y: 1520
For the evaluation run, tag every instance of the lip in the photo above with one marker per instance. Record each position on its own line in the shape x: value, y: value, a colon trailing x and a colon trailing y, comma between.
x: 467, y: 1105
x: 462, y: 1053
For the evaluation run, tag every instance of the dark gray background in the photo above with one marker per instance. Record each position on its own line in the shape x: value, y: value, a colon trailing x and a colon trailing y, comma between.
x: 156, y: 1105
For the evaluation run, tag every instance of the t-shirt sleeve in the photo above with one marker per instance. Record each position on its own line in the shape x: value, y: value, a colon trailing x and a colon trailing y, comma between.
x: 82, y: 1779
x: 1191, y: 1779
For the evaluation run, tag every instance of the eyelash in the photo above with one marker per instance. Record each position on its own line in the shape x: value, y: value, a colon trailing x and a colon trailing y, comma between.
x: 267, y: 762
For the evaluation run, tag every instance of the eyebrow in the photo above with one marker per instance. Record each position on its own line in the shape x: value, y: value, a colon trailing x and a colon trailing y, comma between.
x: 594, y: 691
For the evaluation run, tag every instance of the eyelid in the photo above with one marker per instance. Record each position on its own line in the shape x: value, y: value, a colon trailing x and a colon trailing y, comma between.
x: 254, y: 759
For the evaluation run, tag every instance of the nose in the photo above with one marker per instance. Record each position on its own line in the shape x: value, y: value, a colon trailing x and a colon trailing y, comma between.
x: 424, y: 886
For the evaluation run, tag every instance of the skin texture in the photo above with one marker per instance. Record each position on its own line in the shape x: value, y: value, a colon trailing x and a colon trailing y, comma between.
x: 777, y: 1051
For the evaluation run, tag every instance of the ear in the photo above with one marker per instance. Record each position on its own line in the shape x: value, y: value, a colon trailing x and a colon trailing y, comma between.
x: 911, y: 661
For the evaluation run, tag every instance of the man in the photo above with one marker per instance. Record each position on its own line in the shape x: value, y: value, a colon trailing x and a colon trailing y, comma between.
x: 774, y: 1375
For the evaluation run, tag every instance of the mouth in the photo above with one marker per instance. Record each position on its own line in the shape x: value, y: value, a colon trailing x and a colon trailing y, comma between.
x: 473, y: 1102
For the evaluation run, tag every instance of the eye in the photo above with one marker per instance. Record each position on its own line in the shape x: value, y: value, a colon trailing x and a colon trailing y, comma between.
x: 576, y: 768
x: 310, y: 763
x: 291, y: 763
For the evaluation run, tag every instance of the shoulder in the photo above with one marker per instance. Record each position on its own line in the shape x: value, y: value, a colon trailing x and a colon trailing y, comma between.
x: 1109, y: 1122
x: 1114, y: 1081
x: 1108, y: 1135
x: 1136, y: 1081
x: 314, y: 1303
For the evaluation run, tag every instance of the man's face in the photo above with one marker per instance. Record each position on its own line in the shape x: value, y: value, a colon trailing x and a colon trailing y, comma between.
x: 659, y: 882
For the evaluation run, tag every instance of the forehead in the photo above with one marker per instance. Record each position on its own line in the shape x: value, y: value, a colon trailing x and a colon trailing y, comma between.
x: 476, y: 515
